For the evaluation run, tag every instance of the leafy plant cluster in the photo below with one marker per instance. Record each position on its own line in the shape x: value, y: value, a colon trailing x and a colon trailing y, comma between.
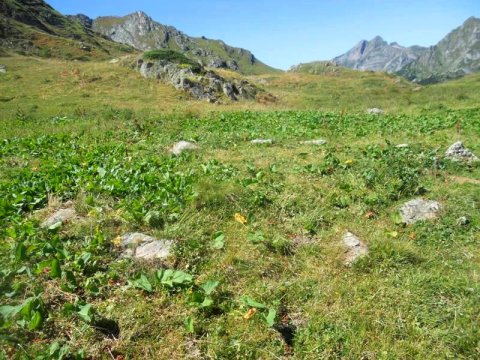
x: 141, y: 184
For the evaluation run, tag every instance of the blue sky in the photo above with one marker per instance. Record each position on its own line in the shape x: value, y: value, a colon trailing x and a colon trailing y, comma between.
x: 287, y: 32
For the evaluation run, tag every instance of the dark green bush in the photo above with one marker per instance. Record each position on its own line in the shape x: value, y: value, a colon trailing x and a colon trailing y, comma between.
x: 171, y: 56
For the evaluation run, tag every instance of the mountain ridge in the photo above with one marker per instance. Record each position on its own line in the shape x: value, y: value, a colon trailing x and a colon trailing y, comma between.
x: 140, y: 31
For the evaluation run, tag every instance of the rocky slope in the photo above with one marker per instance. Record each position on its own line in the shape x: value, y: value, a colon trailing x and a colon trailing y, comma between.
x: 455, y: 55
x: 378, y: 55
x: 33, y: 27
x: 143, y: 33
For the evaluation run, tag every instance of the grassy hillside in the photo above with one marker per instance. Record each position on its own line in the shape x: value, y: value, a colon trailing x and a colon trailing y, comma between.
x: 339, y: 89
x: 39, y: 88
x: 257, y: 230
x: 32, y: 27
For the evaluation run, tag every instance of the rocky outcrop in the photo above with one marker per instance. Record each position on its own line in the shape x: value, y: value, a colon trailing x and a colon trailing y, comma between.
x: 202, y: 84
x: 143, y: 33
x: 82, y: 19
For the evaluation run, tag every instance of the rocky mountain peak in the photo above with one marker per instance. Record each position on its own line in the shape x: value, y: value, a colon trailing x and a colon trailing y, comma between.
x: 83, y: 19
x: 377, y: 55
x: 378, y: 41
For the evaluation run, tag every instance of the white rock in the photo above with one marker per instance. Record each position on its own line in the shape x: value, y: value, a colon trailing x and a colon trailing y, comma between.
x: 60, y: 216
x: 141, y: 246
x: 315, y: 142
x: 261, y: 141
x: 114, y: 61
x: 182, y: 146
x: 419, y: 209
x: 458, y: 152
x: 3, y: 69
x: 355, y: 248
x: 400, y: 146
x: 375, y: 111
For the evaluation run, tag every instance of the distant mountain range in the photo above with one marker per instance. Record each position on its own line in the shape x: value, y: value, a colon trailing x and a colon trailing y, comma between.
x: 32, y: 27
x: 455, y: 55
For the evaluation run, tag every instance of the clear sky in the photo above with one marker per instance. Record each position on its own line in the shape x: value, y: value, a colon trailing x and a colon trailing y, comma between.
x: 282, y: 33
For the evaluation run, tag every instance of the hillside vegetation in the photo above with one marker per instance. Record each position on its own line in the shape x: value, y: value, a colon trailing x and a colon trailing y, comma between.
x: 42, y: 88
x: 257, y: 263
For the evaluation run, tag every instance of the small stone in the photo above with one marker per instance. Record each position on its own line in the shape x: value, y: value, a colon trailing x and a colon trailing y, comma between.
x: 60, y: 216
x: 144, y: 247
x: 458, y: 152
x: 114, y: 61
x: 355, y: 248
x: 315, y: 142
x: 182, y: 146
x: 419, y: 209
x: 3, y: 69
x: 261, y: 141
x: 401, y: 146
x: 463, y: 221
x: 375, y: 111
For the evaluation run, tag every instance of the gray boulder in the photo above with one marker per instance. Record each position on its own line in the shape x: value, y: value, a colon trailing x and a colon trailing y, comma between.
x: 182, y: 146
x: 144, y: 247
x: 314, y: 142
x: 60, y: 216
x: 463, y: 221
x: 458, y: 152
x: 355, y: 248
x: 418, y: 210
x: 261, y: 141
x: 375, y: 111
